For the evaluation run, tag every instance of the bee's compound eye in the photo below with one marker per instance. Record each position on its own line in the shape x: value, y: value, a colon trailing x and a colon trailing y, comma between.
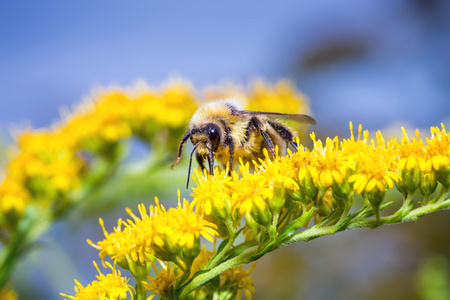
x: 214, y: 135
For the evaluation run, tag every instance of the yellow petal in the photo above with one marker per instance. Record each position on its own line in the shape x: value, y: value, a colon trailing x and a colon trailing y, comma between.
x: 371, y: 184
x: 381, y: 187
x: 337, y: 177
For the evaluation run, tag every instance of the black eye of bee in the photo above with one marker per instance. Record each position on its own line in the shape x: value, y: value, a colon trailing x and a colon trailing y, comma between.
x: 213, y: 132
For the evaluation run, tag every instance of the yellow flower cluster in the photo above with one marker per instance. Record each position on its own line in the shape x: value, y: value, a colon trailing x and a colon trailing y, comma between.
x: 232, y: 283
x: 168, y: 235
x: 107, y: 287
x: 48, y: 165
x: 51, y: 169
x: 261, y: 96
x: 351, y: 166
x: 274, y: 200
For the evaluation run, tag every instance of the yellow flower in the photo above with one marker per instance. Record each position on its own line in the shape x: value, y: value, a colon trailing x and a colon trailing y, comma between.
x: 250, y: 194
x: 411, y: 152
x: 331, y: 162
x: 438, y: 147
x: 161, y: 232
x: 201, y: 260
x: 212, y: 193
x: 49, y: 156
x: 107, y: 287
x: 280, y: 175
x: 237, y: 279
x: 412, y: 162
x: 188, y: 226
x: 279, y: 172
x: 120, y: 244
x: 375, y: 167
x: 162, y: 284
x: 172, y: 106
x: 13, y: 196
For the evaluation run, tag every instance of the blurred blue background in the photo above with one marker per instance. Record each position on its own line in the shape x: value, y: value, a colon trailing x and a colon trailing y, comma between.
x: 380, y: 63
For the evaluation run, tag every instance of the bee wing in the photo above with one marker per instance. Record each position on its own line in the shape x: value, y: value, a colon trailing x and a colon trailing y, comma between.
x: 294, y: 117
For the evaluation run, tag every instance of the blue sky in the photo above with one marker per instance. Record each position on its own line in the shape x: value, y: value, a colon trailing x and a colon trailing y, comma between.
x: 53, y: 52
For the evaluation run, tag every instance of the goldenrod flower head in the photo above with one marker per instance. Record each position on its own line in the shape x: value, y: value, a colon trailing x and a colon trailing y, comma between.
x: 301, y: 162
x: 107, y: 287
x: 48, y: 156
x: 356, y: 146
x: 106, y: 118
x: 163, y: 233
x: 169, y: 231
x: 375, y: 167
x: 330, y: 162
x: 410, y: 151
x: 162, y: 284
x: 13, y: 196
x: 189, y: 226
x: 237, y: 279
x: 438, y: 148
x: 250, y: 195
x: 281, y: 177
x: 119, y: 244
x: 201, y: 260
x: 212, y: 193
x: 170, y: 106
x: 412, y: 157
x: 279, y: 172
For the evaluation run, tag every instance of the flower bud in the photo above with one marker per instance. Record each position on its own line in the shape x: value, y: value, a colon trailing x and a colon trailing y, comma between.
x: 306, y: 184
x: 428, y: 183
x: 410, y: 173
x: 262, y: 215
x: 279, y: 199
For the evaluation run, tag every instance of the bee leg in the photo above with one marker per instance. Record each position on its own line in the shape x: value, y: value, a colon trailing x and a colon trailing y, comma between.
x: 180, y: 148
x: 200, y: 161
x: 294, y: 145
x: 231, y: 149
x: 258, y: 125
x: 284, y: 133
x: 211, y: 161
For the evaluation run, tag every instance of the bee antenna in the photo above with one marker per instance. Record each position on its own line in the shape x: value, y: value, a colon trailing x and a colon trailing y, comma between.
x: 190, y: 163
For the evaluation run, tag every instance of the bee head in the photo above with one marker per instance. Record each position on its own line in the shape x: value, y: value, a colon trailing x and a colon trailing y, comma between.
x: 207, y: 135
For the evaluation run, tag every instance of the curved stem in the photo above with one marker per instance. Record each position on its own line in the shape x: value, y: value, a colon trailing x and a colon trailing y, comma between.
x: 205, y: 277
x: 216, y: 259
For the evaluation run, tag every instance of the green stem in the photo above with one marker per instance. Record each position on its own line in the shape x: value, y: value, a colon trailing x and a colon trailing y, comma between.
x: 141, y: 292
x: 32, y: 225
x: 404, y: 214
x: 205, y: 277
x: 216, y: 259
x: 410, y: 216
x: 315, y: 232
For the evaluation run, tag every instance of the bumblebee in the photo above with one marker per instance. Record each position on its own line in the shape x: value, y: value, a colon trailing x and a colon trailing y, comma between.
x: 222, y: 130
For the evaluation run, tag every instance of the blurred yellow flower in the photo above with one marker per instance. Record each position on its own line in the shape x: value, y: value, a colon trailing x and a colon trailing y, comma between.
x: 107, y: 287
